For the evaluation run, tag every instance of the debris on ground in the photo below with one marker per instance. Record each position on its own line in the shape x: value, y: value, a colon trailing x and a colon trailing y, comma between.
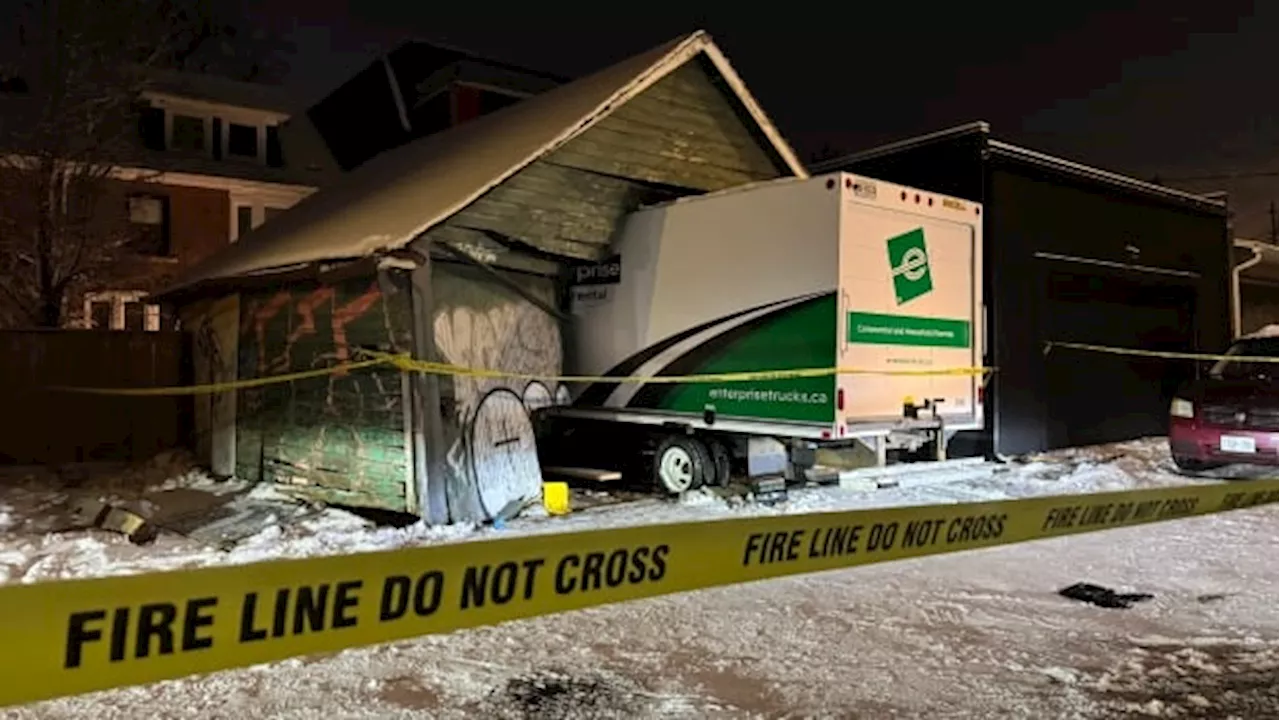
x: 106, y: 516
x: 562, y: 695
x: 1103, y: 597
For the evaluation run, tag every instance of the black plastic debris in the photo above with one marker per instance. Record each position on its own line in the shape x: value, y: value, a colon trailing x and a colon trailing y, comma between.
x: 1103, y: 597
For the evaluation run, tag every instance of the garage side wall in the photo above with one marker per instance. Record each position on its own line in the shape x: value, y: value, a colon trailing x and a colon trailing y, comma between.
x: 491, y: 456
x: 341, y: 438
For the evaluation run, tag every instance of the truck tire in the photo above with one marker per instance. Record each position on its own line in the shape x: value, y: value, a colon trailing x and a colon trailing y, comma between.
x: 722, y: 462
x: 681, y: 464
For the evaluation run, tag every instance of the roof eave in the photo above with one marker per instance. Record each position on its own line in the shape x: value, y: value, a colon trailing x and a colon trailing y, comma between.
x: 1106, y: 177
x: 977, y: 127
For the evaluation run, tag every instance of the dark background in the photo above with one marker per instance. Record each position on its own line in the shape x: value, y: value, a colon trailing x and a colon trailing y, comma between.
x: 1148, y: 87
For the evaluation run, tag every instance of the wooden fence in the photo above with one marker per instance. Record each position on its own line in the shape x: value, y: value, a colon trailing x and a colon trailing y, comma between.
x: 42, y: 425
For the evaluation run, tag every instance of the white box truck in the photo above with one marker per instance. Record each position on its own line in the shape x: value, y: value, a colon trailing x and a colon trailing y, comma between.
x: 829, y: 271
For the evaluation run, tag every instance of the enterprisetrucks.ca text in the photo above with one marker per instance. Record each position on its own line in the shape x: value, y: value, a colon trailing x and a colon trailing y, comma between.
x: 771, y: 396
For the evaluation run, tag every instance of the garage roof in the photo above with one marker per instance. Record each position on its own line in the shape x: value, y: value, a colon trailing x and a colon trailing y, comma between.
x: 1026, y: 156
x: 387, y: 202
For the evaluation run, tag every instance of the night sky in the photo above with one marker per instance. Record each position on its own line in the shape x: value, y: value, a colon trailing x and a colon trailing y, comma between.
x: 1150, y: 88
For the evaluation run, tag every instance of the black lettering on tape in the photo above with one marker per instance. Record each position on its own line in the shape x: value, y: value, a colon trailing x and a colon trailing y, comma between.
x: 615, y: 569
x: 155, y: 632
x: 1146, y: 509
x: 395, y: 597
x: 248, y: 611
x: 119, y: 633
x: 309, y: 610
x: 772, y: 547
x: 591, y: 571
x: 531, y: 575
x: 504, y: 582
x: 922, y: 533
x: 659, y: 568
x: 1061, y: 517
x: 280, y: 618
x: 155, y: 620
x: 426, y: 592
x: 194, y: 619
x: 499, y: 585
x: 600, y: 570
x: 835, y: 541
x: 475, y: 583
x: 79, y: 633
x: 638, y: 566
x: 975, y: 528
x: 345, y: 602
x: 881, y: 536
x: 566, y: 580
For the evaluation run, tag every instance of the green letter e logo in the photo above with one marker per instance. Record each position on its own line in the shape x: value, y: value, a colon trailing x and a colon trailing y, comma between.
x: 909, y: 262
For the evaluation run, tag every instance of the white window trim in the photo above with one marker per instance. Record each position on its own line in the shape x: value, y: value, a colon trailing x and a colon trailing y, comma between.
x: 260, y: 158
x: 168, y: 131
x: 258, y: 212
x: 118, y: 299
x: 259, y: 119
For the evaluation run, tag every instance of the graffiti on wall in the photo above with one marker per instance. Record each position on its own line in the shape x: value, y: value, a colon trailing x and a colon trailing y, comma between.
x: 492, y: 456
x: 340, y: 437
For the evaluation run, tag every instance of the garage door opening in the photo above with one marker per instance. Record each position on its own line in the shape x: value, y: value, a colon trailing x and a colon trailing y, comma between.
x: 1099, y: 397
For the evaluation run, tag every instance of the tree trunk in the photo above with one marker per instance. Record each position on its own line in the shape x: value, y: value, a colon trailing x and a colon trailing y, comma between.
x: 51, y: 309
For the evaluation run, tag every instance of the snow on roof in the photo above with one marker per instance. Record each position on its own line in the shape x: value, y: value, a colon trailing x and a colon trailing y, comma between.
x: 1269, y: 331
x: 221, y: 90
x: 390, y: 200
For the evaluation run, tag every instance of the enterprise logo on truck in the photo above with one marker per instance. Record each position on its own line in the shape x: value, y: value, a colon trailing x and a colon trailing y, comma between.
x: 909, y: 263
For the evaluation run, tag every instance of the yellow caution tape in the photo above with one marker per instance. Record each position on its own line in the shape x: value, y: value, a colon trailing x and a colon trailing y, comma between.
x: 406, y: 363
x: 1159, y: 353
x: 63, y: 638
x: 409, y: 364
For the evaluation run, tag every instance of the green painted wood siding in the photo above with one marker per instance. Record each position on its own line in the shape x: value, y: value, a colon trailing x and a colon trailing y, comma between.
x: 340, y: 438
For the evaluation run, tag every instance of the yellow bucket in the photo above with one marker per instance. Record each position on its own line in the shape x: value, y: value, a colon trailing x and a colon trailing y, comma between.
x: 555, y: 497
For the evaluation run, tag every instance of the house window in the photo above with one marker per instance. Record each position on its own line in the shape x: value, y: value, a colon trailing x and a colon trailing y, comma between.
x: 242, y: 140
x: 188, y: 133
x: 134, y: 316
x: 99, y: 314
x: 121, y: 310
x: 149, y: 221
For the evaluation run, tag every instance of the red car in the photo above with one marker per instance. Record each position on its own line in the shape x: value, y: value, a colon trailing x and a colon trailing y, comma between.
x: 1232, y: 415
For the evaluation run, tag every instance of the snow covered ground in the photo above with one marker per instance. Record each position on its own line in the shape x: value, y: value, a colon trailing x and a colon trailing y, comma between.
x: 978, y: 634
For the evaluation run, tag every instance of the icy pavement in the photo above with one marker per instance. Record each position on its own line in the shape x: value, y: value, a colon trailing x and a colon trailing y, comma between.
x: 978, y: 634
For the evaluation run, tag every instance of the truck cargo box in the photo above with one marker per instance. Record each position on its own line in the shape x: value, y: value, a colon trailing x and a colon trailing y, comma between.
x: 799, y: 274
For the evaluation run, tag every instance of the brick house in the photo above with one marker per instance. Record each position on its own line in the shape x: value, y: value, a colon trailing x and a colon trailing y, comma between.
x: 212, y: 159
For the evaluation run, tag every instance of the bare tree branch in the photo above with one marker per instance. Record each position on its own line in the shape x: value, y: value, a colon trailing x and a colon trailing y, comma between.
x: 83, y: 65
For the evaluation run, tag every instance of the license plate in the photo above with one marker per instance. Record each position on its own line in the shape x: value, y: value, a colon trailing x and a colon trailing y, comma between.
x: 1237, y: 444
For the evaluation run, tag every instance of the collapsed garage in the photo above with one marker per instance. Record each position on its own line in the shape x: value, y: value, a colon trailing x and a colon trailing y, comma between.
x: 1079, y: 255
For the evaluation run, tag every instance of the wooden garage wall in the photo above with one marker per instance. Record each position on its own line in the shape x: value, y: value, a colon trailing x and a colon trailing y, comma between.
x: 340, y: 438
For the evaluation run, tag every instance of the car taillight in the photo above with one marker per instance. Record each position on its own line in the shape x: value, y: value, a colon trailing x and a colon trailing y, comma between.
x: 982, y: 395
x: 840, y: 399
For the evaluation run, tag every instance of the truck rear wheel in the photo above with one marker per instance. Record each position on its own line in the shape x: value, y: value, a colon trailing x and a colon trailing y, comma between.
x: 681, y: 464
x: 721, y: 461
